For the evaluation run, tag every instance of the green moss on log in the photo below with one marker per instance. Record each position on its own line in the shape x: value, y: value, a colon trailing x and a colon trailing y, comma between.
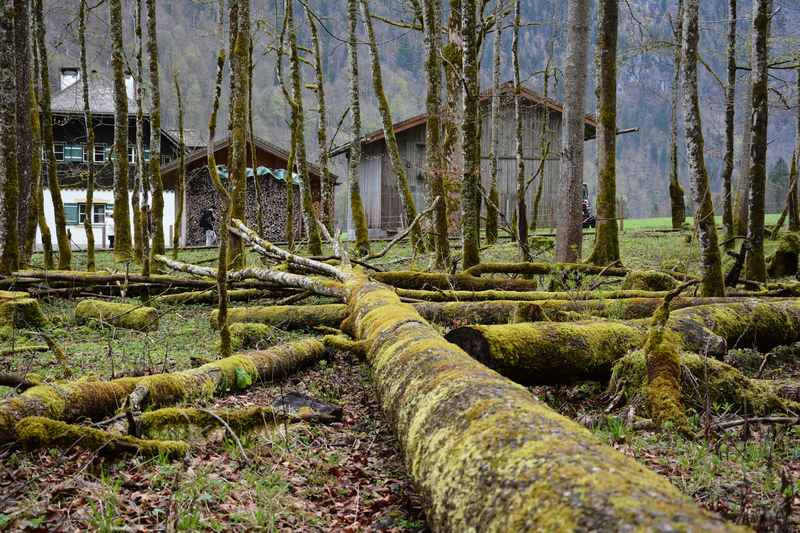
x: 486, y: 455
x: 210, y: 297
x: 186, y: 423
x: 648, y: 280
x: 785, y: 259
x: 37, y: 432
x: 434, y: 280
x: 120, y: 315
x: 286, y: 316
x: 21, y: 312
x: 13, y: 295
x: 252, y: 335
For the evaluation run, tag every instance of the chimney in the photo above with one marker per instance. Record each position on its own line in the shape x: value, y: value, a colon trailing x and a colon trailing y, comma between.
x: 69, y: 75
x: 129, y: 86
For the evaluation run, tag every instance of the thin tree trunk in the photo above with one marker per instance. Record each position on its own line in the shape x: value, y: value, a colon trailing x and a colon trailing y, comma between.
x: 676, y: 196
x: 398, y: 166
x: 122, y: 229
x: 522, y: 210
x: 251, y: 141
x: 89, y: 126
x: 711, y: 264
x: 9, y: 173
x: 25, y: 156
x: 452, y: 145
x: 180, y: 186
x: 730, y: 106
x: 155, y: 132
x: 471, y: 181
x: 309, y: 213
x: 544, y: 143
x: 606, y: 243
x: 37, y: 214
x: 569, y: 225
x: 356, y: 205
x: 290, y: 162
x: 64, y: 250
x: 328, y: 180
x: 240, y: 39
x: 740, y: 209
x: 755, y: 263
x: 494, y: 196
x: 434, y: 163
x: 142, y: 191
x: 794, y: 208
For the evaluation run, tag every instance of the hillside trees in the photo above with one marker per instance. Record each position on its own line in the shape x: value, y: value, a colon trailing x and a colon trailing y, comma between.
x: 711, y: 263
x: 569, y: 232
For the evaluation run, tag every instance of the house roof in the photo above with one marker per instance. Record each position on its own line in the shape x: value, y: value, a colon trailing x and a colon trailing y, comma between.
x: 191, y: 138
x: 101, y: 97
x: 219, y: 144
x: 506, y: 88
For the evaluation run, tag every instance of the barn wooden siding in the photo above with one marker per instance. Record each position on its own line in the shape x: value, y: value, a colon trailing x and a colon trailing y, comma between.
x: 378, y: 182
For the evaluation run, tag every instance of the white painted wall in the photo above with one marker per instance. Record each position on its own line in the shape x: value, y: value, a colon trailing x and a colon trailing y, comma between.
x: 102, y: 196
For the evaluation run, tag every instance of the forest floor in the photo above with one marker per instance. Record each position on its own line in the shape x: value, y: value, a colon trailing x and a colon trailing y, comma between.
x: 349, y: 475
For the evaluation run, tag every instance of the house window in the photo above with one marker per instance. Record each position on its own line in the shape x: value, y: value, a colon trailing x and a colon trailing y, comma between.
x: 131, y: 154
x: 147, y: 154
x: 71, y: 214
x: 99, y: 216
x: 99, y: 153
x: 58, y: 149
x: 71, y: 152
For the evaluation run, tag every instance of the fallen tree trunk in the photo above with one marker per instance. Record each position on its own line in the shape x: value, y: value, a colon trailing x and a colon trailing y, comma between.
x: 434, y: 280
x: 548, y: 352
x: 95, y: 400
x: 484, y: 453
x: 21, y: 312
x: 210, y: 296
x: 542, y: 268
x: 120, y: 315
x: 286, y: 316
x: 78, y: 278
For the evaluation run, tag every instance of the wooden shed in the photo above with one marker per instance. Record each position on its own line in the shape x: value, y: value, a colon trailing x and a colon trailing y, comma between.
x: 201, y: 196
x: 378, y: 183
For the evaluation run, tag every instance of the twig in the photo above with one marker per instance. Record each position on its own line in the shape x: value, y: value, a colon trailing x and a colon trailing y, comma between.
x: 233, y: 433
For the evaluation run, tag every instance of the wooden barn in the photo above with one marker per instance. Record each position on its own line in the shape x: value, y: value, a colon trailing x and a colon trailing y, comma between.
x: 378, y: 183
x: 270, y: 162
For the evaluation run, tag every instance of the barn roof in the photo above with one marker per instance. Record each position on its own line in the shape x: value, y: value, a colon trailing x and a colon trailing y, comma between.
x: 506, y: 88
x: 101, y: 97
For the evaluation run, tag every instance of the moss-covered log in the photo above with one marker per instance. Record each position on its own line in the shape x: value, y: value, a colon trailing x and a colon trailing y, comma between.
x: 286, y: 316
x: 705, y: 375
x: 549, y: 352
x: 77, y: 400
x: 252, y: 335
x: 484, y: 453
x: 542, y: 268
x: 785, y: 259
x: 210, y: 297
x: 121, y: 315
x: 648, y: 280
x: 526, y: 296
x: 434, y: 280
x: 39, y: 431
x: 21, y: 312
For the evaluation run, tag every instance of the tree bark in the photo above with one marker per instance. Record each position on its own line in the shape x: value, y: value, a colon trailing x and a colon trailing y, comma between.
x: 676, y: 196
x: 356, y: 205
x: 9, y: 170
x: 64, y: 250
x: 740, y: 208
x: 494, y: 196
x: 711, y: 262
x: 522, y: 209
x: 755, y: 264
x: 180, y: 186
x: 155, y: 132
x: 434, y: 162
x: 89, y: 127
x: 435, y: 280
x: 730, y: 107
x: 141, y: 192
x: 794, y: 202
x: 36, y: 169
x: 26, y: 202
x: 470, y: 186
x: 569, y: 224
x: 606, y: 241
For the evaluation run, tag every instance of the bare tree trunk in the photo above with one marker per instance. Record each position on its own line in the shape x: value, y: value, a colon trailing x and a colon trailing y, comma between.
x: 711, y: 263
x: 452, y: 145
x: 676, y: 196
x: 290, y: 162
x: 26, y: 202
x: 89, y: 126
x: 155, y: 132
x: 122, y: 229
x: 755, y: 263
x: 494, y: 196
x: 142, y: 192
x: 328, y: 207
x: 740, y: 209
x: 471, y: 182
x: 544, y: 143
x: 606, y: 243
x: 730, y: 106
x: 434, y: 163
x: 64, y: 251
x: 37, y: 214
x: 356, y: 206
x: 522, y: 210
x: 569, y: 225
x: 794, y: 208
x: 398, y: 166
x: 9, y: 173
x: 180, y: 186
x: 310, y: 216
